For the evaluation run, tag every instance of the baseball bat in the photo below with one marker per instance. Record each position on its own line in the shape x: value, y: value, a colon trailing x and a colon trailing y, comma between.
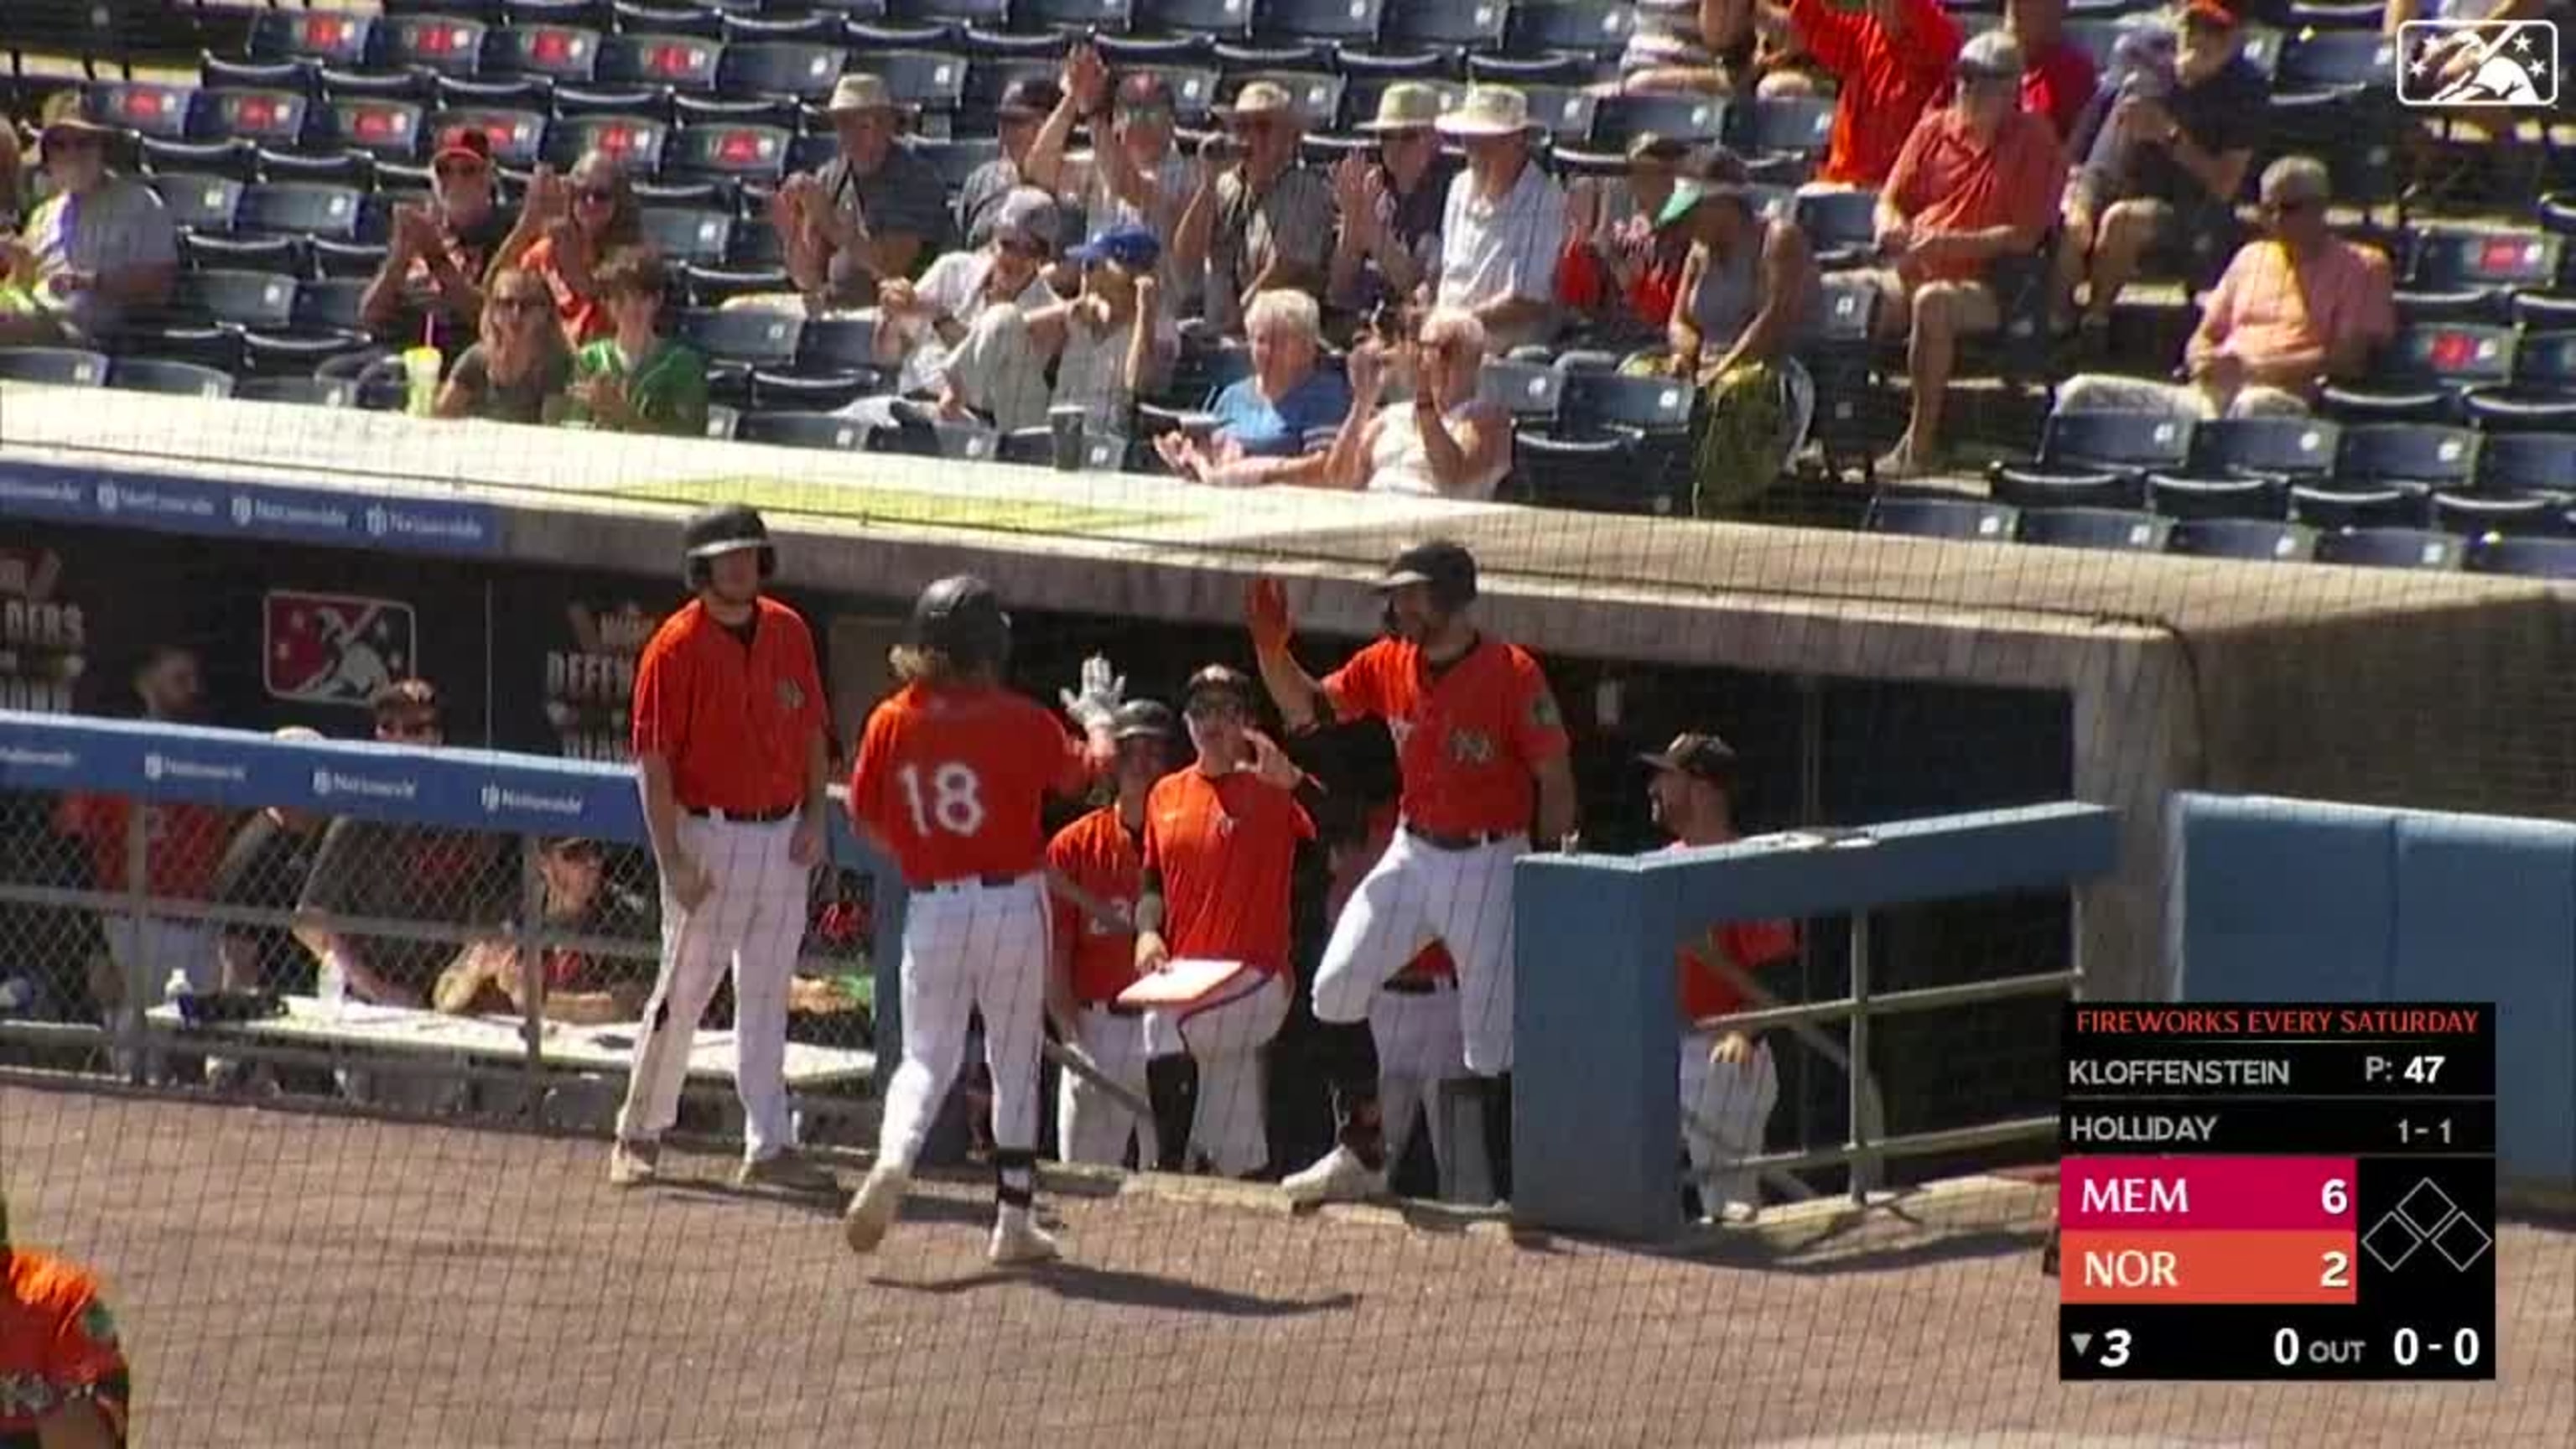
x: 1073, y: 1059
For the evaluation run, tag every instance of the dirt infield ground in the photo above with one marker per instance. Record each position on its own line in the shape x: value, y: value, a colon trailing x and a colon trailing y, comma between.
x: 286, y: 1279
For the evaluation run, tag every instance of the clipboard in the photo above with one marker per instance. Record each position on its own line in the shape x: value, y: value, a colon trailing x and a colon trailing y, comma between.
x: 1181, y: 983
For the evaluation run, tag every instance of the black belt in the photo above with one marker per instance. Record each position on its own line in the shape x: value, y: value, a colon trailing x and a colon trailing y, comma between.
x: 986, y: 882
x: 742, y: 817
x: 1417, y: 986
x: 1471, y: 840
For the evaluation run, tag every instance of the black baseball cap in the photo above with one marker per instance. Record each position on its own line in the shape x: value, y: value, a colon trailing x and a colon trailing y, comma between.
x: 1218, y: 679
x: 1029, y: 98
x: 1700, y: 756
x: 1143, y: 719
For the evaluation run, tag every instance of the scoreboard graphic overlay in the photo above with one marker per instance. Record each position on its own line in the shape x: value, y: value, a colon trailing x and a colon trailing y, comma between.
x: 2292, y: 1191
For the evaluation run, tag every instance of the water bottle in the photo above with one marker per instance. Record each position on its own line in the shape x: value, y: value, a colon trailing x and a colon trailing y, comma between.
x: 332, y: 987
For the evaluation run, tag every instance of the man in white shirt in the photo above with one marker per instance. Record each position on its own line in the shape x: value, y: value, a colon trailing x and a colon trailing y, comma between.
x: 1504, y: 227
x: 1133, y: 175
x: 955, y: 327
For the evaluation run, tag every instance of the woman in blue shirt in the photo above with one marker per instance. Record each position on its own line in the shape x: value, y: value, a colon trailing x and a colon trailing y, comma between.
x: 1269, y: 414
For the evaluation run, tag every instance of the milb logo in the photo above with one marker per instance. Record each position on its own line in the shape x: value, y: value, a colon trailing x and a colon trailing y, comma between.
x: 335, y: 649
x: 2495, y: 64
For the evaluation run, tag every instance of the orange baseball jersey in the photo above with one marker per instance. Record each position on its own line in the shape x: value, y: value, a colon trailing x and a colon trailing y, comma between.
x: 57, y: 1343
x: 1100, y: 854
x: 955, y: 780
x: 1466, y: 736
x: 1432, y: 962
x: 734, y: 721
x: 184, y: 842
x: 1225, y: 847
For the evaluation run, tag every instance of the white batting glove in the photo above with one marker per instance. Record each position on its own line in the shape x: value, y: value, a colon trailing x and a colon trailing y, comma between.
x: 1095, y: 705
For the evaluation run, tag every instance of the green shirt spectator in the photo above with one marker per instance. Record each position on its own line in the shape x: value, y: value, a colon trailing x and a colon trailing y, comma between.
x: 636, y: 380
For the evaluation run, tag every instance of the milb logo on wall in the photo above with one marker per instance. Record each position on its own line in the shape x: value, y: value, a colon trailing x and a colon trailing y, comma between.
x: 334, y: 649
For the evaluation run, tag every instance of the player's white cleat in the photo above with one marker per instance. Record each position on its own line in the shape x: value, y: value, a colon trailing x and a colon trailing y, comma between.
x: 1337, y: 1176
x: 633, y: 1164
x: 873, y: 1207
x: 1018, y: 1241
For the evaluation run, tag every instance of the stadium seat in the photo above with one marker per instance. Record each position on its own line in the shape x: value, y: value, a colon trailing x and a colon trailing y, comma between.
x: 730, y: 156
x: 803, y: 430
x: 778, y: 68
x: 1693, y: 119
x: 181, y: 379
x: 330, y: 305
x: 1594, y: 401
x: 226, y: 158
x: 2354, y: 505
x: 1568, y: 112
x: 2041, y: 487
x: 200, y: 203
x: 966, y: 442
x: 334, y: 38
x: 299, y: 209
x: 2544, y: 311
x: 1216, y: 19
x: 688, y: 234
x: 1923, y: 516
x: 667, y: 17
x: 333, y: 258
x: 2423, y: 373
x: 2266, y: 447
x: 773, y: 390
x: 933, y: 80
x: 60, y: 366
x: 2174, y: 495
x: 203, y: 252
x: 723, y: 423
x: 259, y: 118
x: 236, y: 299
x: 2130, y: 443
x: 304, y: 391
x: 958, y: 159
x: 563, y: 54
x: 2243, y: 538
x: 1337, y: 22
x: 844, y: 345
x: 1594, y: 30
x: 1841, y: 227
x: 2476, y: 515
x: 164, y: 112
x: 354, y: 169
x: 382, y: 130
x: 635, y: 141
x: 2493, y: 261
x: 446, y: 44
x: 2527, y: 462
x: 2119, y: 529
x: 708, y: 284
x: 496, y: 93
x: 2342, y: 62
x: 2542, y: 395
x: 2390, y: 548
x: 2415, y: 454
x: 813, y: 27
x: 754, y: 339
x: 672, y: 62
x: 1550, y: 471
x: 2532, y: 558
x: 1105, y: 17
x: 1533, y: 391
x: 1797, y: 128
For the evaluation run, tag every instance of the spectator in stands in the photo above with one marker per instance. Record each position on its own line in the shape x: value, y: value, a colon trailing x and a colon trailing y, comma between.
x: 1892, y: 59
x: 570, y: 224
x: 518, y: 370
x: 1025, y: 105
x: 1503, y: 229
x: 1621, y: 269
x: 430, y: 289
x: 12, y: 172
x: 637, y: 380
x: 2057, y: 79
x: 1976, y: 185
x: 1748, y: 283
x: 1391, y: 203
x: 264, y: 868
x: 1265, y: 419
x: 2294, y: 310
x: 100, y: 247
x: 1133, y: 175
x: 871, y: 214
x: 1263, y: 221
x: 577, y: 987
x: 953, y: 348
x: 1119, y: 341
x: 2162, y: 158
x: 1687, y: 47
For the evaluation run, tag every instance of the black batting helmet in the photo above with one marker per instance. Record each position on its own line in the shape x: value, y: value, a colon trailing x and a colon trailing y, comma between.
x: 721, y: 529
x: 1144, y: 719
x: 1218, y: 679
x: 961, y: 617
x: 1443, y: 564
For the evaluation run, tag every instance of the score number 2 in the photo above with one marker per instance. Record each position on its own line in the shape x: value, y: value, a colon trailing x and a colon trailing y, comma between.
x: 2336, y: 1198
x: 954, y: 801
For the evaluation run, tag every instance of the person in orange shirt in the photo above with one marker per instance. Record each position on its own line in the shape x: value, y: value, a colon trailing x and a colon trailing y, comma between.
x: 1413, y: 1023
x: 1103, y: 854
x: 1729, y: 1083
x: 64, y: 1383
x: 953, y: 775
x: 729, y: 739
x: 1892, y: 59
x: 1221, y: 838
x: 1978, y: 183
x: 1480, y: 750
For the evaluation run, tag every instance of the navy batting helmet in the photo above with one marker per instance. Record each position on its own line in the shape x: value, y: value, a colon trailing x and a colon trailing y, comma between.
x: 1218, y: 679
x: 722, y: 529
x: 961, y: 617
x: 1443, y: 564
x: 1144, y: 719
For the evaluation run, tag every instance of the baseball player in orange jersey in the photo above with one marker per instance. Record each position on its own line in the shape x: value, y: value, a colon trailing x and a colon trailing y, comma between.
x: 953, y: 773
x: 1480, y: 748
x: 1729, y: 1083
x: 1414, y: 1025
x: 64, y: 1383
x: 1221, y: 839
x: 729, y: 741
x: 1103, y: 854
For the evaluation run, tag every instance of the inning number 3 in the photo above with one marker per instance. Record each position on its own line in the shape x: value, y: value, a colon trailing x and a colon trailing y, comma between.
x: 954, y: 802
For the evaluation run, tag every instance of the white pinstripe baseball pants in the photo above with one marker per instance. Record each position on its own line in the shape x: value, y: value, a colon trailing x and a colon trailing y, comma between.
x: 751, y: 923
x: 967, y: 947
x: 1417, y: 893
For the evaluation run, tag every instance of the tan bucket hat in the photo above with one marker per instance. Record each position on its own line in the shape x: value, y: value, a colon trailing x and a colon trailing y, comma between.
x: 1490, y: 111
x: 1406, y: 106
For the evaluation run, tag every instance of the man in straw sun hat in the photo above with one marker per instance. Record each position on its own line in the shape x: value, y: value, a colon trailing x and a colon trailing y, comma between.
x: 100, y: 246
x: 870, y: 213
x: 1504, y: 226
x: 1391, y: 203
x: 1264, y: 222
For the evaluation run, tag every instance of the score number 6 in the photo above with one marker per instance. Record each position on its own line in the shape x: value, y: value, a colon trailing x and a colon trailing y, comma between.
x: 2336, y: 1199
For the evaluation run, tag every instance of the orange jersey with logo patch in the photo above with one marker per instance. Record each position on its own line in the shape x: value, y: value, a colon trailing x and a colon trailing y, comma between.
x: 1226, y: 847
x: 1100, y: 854
x: 954, y: 780
x: 1466, y: 736
x: 734, y: 720
x: 57, y: 1343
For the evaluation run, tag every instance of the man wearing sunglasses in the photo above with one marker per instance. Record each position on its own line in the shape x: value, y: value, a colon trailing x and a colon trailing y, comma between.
x: 431, y: 285
x: 2297, y: 308
x: 1133, y: 176
x: 1391, y: 203
x: 101, y: 246
x: 1263, y: 221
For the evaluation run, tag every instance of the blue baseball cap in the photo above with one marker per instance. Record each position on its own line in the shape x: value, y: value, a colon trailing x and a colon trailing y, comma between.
x: 1130, y: 245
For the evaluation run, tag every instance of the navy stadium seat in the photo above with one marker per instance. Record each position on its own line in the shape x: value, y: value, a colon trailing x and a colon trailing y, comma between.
x: 1533, y: 391
x: 2346, y: 62
x: 2041, y: 487
x: 230, y: 158
x: 2358, y: 505
x: 2475, y: 515
x: 1594, y: 29
x: 931, y: 79
x: 262, y: 118
x: 803, y: 430
x: 200, y: 203
x: 203, y: 252
x: 1797, y: 126
x: 165, y: 112
x: 2424, y: 371
x: 2175, y: 495
x: 966, y: 442
x: 2543, y: 462
x: 2387, y: 548
x: 2243, y: 538
x: 2117, y: 441
x: 2271, y: 447
x: 779, y: 68
x: 61, y: 366
x: 2542, y: 395
x: 1841, y: 227
x: 689, y: 234
x: 337, y: 38
x: 1220, y: 19
x: 566, y: 54
x: 1108, y: 17
x: 330, y: 305
x: 180, y: 379
x: 636, y: 142
x: 675, y: 62
x: 382, y: 130
x: 1566, y: 472
x: 993, y: 14
x: 1923, y: 516
x: 837, y: 345
x: 751, y: 338
x: 1342, y: 22
x: 2415, y: 454
x: 723, y: 423
x: 813, y: 27
x: 726, y: 154
x: 2118, y: 529
x: 667, y: 17
x: 238, y: 299
x: 295, y: 208
x: 1600, y: 400
x: 2536, y: 558
x: 305, y: 391
x: 1683, y: 118
x: 498, y: 92
x: 446, y: 44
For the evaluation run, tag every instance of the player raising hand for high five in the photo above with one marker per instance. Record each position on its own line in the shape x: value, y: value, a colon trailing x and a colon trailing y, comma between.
x: 952, y: 776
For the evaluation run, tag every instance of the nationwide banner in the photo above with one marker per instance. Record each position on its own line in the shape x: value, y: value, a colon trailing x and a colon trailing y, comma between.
x: 353, y: 519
